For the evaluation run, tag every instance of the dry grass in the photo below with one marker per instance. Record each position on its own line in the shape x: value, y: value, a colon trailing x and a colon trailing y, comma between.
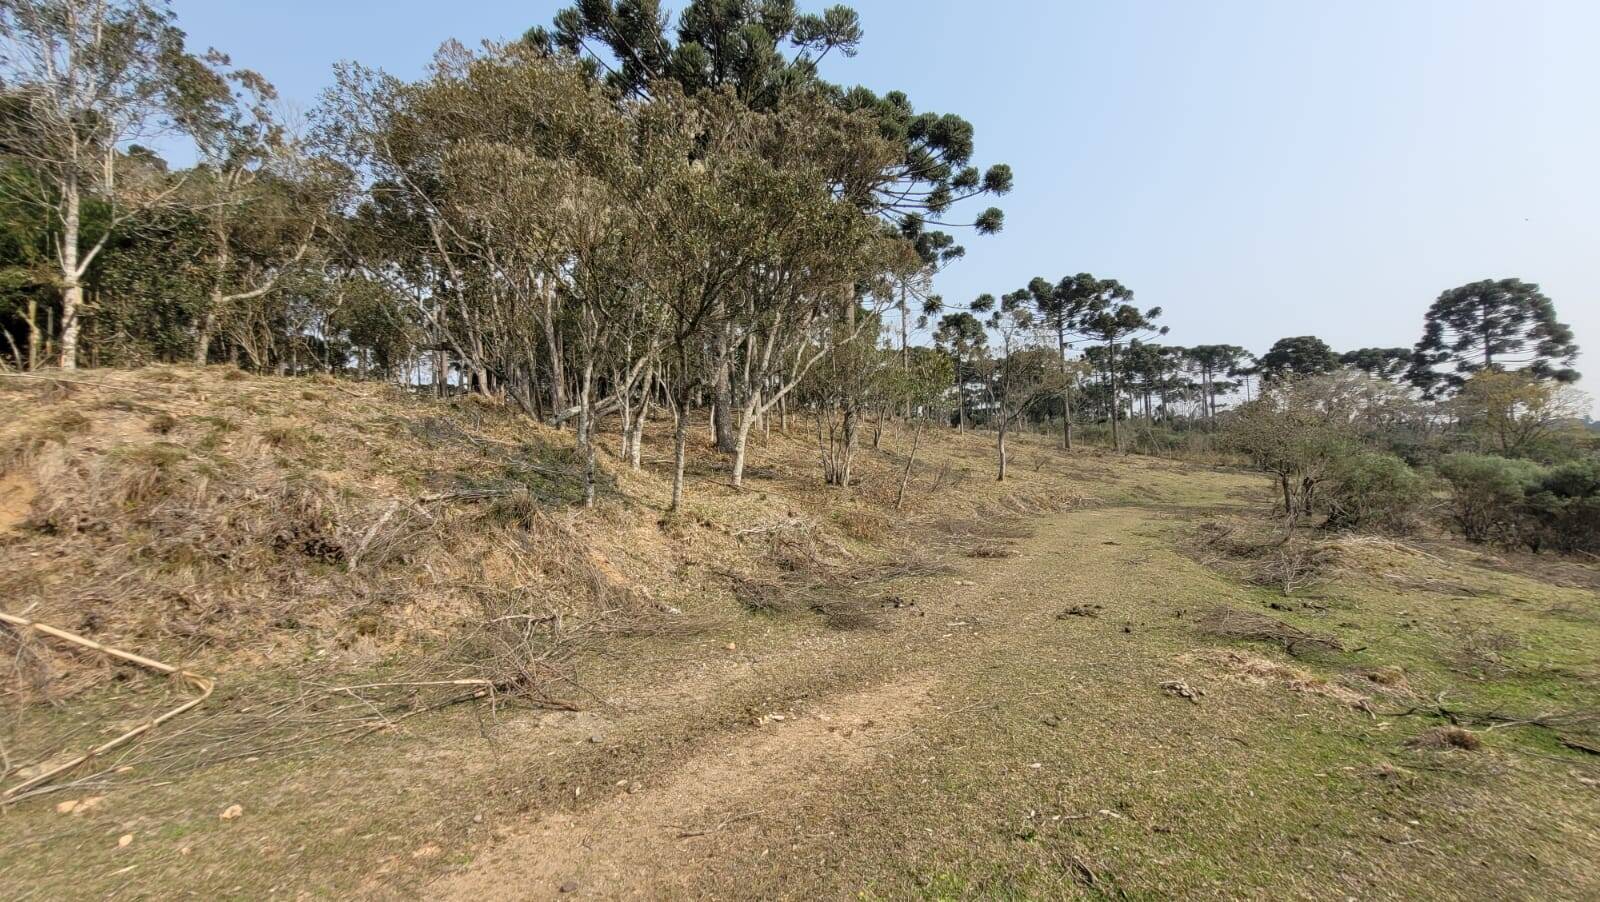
x: 1223, y: 622
x: 245, y: 524
x: 1256, y: 670
x: 1445, y: 738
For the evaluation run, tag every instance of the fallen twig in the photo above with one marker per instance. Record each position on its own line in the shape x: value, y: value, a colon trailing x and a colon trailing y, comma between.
x: 688, y: 834
x: 205, y: 685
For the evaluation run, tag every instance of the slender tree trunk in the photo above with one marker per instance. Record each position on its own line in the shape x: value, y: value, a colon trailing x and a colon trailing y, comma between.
x: 680, y: 445
x: 208, y: 325
x: 71, y: 287
x: 911, y: 460
x: 33, y: 333
x: 635, y: 441
x: 722, y: 405
x: 851, y: 427
x: 961, y: 402
x: 586, y: 433
x: 1066, y: 392
x: 1000, y: 446
x: 1116, y: 437
x: 558, y: 373
x: 741, y: 441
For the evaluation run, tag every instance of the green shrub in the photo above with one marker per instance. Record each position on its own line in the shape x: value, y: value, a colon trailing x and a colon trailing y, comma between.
x: 1563, y: 508
x: 1487, y: 495
x: 1373, y: 490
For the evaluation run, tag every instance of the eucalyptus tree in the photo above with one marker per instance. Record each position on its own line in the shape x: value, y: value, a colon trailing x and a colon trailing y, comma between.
x: 262, y: 198
x: 816, y: 257
x: 85, y: 79
x: 764, y: 53
x: 1505, y: 324
x: 1112, y: 321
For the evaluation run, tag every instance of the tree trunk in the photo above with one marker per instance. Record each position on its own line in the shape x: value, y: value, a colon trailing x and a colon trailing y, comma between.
x: 1000, y: 446
x: 632, y: 447
x: 722, y: 406
x: 33, y: 333
x: 208, y: 326
x: 961, y: 403
x: 71, y: 287
x: 911, y: 459
x: 741, y: 441
x: 680, y: 444
x: 851, y: 424
x: 1116, y: 437
x: 586, y: 433
x: 558, y: 373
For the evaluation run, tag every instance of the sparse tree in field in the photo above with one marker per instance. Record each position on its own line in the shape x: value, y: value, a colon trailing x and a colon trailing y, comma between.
x: 935, y: 250
x: 1290, y: 358
x: 921, y: 385
x: 1214, y: 362
x: 764, y: 55
x: 1112, y: 321
x: 1024, y: 373
x: 84, y: 79
x: 961, y: 335
x: 1507, y: 324
x: 1060, y: 306
x: 1513, y: 413
x: 1294, y: 440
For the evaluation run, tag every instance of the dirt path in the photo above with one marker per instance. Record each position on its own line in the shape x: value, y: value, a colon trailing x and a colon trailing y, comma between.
x: 713, y: 817
x: 645, y: 841
x: 1011, y: 738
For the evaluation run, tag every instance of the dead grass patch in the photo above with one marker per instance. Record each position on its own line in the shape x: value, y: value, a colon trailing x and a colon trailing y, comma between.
x: 1261, y: 554
x: 1256, y: 670
x: 1446, y: 738
x: 1223, y: 622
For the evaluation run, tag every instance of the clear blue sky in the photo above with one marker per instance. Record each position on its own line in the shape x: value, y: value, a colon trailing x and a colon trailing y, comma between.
x: 1259, y: 169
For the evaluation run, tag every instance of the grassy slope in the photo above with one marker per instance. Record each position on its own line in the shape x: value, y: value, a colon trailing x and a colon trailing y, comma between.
x: 992, y: 749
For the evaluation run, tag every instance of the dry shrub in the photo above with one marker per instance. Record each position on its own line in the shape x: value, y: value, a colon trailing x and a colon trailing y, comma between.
x: 23, y: 446
x: 1390, y: 676
x: 761, y: 595
x: 284, y: 436
x: 516, y: 508
x: 1445, y: 738
x: 1262, y: 555
x: 1256, y: 670
x: 1230, y: 623
x: 163, y: 423
x: 863, y: 524
x: 1484, y: 650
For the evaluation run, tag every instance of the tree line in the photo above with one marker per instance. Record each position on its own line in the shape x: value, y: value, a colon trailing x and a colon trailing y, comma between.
x: 621, y: 215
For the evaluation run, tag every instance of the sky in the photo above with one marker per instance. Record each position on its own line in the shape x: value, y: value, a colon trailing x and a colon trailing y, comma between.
x: 1257, y: 168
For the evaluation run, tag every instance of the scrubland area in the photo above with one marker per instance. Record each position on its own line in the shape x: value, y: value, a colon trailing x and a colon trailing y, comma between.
x: 1081, y: 682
